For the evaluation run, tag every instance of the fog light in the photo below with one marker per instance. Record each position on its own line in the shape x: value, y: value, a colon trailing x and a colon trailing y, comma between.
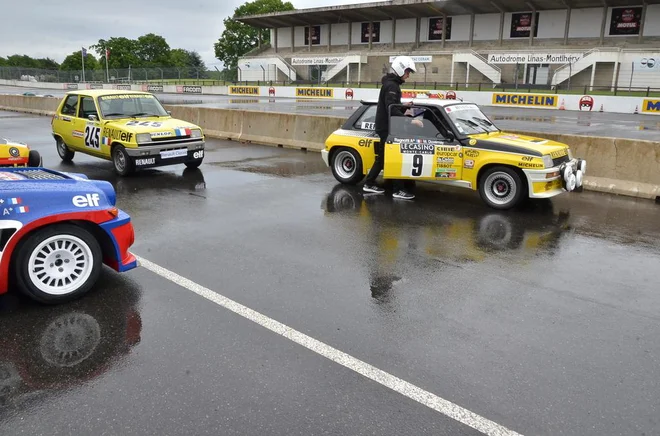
x: 571, y: 182
x: 579, y: 177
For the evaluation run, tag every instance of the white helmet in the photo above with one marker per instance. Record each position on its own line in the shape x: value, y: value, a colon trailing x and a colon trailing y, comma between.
x: 403, y: 63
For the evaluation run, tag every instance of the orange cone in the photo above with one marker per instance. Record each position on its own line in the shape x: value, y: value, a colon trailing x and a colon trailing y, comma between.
x: 563, y: 106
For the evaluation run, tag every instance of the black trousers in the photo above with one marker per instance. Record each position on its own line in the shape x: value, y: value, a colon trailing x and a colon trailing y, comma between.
x: 379, y: 150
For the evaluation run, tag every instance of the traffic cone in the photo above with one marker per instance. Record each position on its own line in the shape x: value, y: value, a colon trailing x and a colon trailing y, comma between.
x: 636, y: 112
x: 563, y: 106
x: 601, y: 108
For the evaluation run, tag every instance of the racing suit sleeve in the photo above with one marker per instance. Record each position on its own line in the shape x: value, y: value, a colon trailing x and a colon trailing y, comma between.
x: 392, y: 97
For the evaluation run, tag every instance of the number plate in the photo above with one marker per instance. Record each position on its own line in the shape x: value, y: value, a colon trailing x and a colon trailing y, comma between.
x: 169, y: 154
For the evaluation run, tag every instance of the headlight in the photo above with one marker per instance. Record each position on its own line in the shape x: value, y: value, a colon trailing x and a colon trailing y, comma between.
x: 547, y: 161
x: 143, y: 137
x: 196, y: 133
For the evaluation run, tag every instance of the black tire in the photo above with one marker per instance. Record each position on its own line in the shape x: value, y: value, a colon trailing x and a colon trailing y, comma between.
x: 65, y: 154
x: 34, y: 159
x: 194, y: 163
x: 80, y: 285
x: 346, y: 165
x: 121, y: 161
x: 510, y: 187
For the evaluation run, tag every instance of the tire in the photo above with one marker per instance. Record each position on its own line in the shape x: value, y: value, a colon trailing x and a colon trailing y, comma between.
x: 194, y: 163
x: 501, y: 188
x: 34, y: 159
x: 57, y: 247
x: 121, y: 161
x: 65, y: 154
x: 346, y: 166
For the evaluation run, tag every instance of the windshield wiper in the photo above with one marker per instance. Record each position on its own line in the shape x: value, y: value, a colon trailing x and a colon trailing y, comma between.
x: 114, y: 114
x: 142, y: 114
x: 473, y: 125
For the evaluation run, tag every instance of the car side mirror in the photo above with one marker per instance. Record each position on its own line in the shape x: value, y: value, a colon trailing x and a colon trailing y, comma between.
x: 92, y: 117
x: 450, y: 137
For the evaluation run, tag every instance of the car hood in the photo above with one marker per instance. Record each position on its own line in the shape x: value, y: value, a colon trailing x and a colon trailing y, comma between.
x: 532, y: 143
x: 150, y: 125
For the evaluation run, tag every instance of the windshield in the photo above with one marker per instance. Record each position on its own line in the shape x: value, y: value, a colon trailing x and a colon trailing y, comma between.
x: 469, y: 119
x: 130, y: 105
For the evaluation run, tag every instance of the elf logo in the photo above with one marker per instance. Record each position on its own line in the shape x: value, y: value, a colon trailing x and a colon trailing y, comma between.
x: 88, y: 200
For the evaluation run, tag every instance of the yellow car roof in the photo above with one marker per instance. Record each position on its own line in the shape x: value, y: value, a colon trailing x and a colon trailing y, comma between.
x: 101, y: 92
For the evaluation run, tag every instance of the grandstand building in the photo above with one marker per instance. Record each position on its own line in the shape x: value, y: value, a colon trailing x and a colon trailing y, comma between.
x: 535, y: 43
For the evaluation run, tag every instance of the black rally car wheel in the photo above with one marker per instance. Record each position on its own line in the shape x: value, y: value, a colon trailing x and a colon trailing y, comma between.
x: 65, y: 154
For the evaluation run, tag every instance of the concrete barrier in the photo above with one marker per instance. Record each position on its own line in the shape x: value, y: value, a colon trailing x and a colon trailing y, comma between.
x: 619, y: 166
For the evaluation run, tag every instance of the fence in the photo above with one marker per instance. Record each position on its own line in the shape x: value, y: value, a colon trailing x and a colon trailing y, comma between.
x: 112, y: 75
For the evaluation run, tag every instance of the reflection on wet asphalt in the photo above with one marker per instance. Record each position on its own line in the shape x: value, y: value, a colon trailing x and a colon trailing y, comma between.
x: 544, y: 319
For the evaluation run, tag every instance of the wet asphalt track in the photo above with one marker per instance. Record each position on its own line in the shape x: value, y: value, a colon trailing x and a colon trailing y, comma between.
x: 631, y: 126
x: 544, y: 320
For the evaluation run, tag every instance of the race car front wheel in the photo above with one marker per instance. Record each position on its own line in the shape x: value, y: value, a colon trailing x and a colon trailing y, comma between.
x: 58, y: 263
x: 501, y: 188
x: 347, y: 166
x: 65, y: 154
x: 34, y: 159
x: 121, y: 160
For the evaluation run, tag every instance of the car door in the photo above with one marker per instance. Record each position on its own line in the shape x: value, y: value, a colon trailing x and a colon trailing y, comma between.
x: 63, y: 124
x: 425, y: 152
x: 87, y: 122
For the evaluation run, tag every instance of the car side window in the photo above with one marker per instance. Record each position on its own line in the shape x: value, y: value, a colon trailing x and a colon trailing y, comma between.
x: 70, y: 105
x: 368, y: 119
x: 87, y: 108
x: 403, y: 127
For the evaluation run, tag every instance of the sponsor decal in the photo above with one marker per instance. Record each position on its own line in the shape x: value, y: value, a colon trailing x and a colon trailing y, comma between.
x: 558, y: 154
x: 652, y: 106
x: 160, y: 134
x: 365, y: 142
x: 77, y: 134
x: 271, y: 92
x: 9, y: 177
x: 451, y: 95
x: 446, y: 149
x: 244, y: 90
x: 646, y: 64
x: 473, y: 142
x: 198, y: 154
x: 142, y: 162
x: 416, y: 93
x: 349, y: 94
x: 169, y: 154
x: 14, y: 152
x: 525, y: 100
x: 626, y: 21
x: 315, y: 92
x: 117, y: 135
x: 468, y: 163
x: 122, y: 87
x: 71, y: 86
x: 417, y: 59
x: 152, y: 88
x: 368, y: 126
x: 471, y: 153
x: 106, y: 141
x: 187, y: 89
x: 445, y: 173
x: 534, y: 58
x: 445, y: 160
x: 95, y: 86
x: 530, y: 165
x: 182, y: 131
x: 317, y: 60
x: 586, y: 103
x: 126, y: 96
x: 415, y: 148
x: 87, y: 200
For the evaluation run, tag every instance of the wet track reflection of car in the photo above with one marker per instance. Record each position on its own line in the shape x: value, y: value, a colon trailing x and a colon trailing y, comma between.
x: 48, y: 350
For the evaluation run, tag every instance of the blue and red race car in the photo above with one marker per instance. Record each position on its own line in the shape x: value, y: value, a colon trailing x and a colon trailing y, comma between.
x: 56, y: 231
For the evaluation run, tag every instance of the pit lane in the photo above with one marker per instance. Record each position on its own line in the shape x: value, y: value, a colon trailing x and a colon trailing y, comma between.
x: 544, y: 320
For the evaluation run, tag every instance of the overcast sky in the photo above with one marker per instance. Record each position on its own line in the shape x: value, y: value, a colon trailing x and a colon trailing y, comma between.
x: 46, y: 29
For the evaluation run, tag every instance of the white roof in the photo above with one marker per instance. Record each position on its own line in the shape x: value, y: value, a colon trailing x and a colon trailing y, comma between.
x: 425, y: 101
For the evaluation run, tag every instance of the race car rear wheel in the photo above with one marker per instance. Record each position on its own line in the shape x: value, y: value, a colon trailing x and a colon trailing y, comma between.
x: 57, y: 263
x: 121, y: 160
x: 501, y: 187
x: 34, y: 159
x: 346, y: 166
x: 64, y: 152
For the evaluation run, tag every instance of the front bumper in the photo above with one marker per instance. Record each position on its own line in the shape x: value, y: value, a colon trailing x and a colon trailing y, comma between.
x: 167, y: 154
x: 570, y: 178
x: 122, y: 235
x: 325, y: 155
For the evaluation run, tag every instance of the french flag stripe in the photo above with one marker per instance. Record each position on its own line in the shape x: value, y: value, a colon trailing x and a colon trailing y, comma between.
x: 23, y: 209
x: 183, y: 132
x: 14, y: 201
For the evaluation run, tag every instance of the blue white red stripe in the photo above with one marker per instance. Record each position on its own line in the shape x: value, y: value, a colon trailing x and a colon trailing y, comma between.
x: 182, y: 132
x: 22, y: 209
x: 14, y: 200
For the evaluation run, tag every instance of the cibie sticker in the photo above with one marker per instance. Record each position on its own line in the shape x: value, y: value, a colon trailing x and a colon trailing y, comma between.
x: 10, y: 176
x: 368, y: 126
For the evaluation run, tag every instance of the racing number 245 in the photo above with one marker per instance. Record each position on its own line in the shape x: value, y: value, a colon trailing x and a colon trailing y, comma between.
x: 92, y: 136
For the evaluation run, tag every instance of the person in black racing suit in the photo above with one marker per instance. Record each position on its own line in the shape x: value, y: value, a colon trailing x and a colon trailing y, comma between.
x: 390, y: 93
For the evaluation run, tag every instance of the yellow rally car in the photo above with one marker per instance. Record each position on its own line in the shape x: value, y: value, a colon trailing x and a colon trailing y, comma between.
x: 130, y: 128
x: 18, y: 154
x: 457, y: 145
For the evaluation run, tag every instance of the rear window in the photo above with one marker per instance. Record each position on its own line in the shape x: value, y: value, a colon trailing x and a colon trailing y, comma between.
x: 368, y: 119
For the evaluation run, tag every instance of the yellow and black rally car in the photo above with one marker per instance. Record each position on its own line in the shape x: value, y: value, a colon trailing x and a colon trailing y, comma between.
x: 130, y: 128
x: 457, y: 145
x: 18, y: 154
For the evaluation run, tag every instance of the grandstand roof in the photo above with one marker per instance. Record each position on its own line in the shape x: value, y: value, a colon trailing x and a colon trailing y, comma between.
x: 400, y: 9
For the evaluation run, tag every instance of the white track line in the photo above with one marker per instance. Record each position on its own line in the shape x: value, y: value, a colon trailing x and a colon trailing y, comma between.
x: 404, y: 388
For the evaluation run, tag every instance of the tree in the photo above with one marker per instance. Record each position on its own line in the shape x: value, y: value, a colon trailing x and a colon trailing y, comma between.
x: 123, y: 52
x: 3, y: 62
x: 48, y: 64
x: 73, y: 62
x: 153, y: 50
x: 237, y: 39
